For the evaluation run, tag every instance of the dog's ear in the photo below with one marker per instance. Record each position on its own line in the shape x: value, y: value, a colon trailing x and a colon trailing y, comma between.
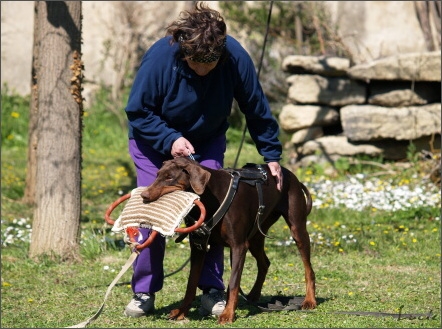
x: 198, y: 178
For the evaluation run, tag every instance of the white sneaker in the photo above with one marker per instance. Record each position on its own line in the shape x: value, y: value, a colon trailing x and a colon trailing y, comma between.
x: 213, y: 302
x: 140, y: 305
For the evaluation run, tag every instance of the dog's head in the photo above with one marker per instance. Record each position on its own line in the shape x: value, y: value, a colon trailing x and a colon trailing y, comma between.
x: 178, y: 174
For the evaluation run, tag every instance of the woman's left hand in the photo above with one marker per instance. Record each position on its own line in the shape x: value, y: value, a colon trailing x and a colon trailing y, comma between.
x: 182, y: 148
x: 276, y: 170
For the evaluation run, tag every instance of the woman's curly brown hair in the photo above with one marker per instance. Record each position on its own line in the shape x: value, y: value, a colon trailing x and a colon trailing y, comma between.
x: 201, y: 33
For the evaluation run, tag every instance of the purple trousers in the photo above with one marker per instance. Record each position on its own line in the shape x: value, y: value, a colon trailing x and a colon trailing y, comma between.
x: 148, y: 272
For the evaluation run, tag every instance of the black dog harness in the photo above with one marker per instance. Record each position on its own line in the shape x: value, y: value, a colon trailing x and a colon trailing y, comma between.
x: 252, y: 174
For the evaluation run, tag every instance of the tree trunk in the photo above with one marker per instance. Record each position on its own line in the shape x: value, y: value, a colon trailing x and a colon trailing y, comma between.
x: 435, y: 7
x: 423, y: 15
x: 56, y: 224
x: 298, y: 29
x: 29, y: 194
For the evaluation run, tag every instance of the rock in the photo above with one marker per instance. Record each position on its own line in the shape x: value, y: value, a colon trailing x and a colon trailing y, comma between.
x: 304, y: 135
x: 314, y: 159
x: 403, y: 93
x: 397, y: 98
x: 296, y: 117
x: 371, y: 123
x: 315, y: 89
x: 337, y: 145
x: 323, y: 65
x: 334, y: 147
x: 411, y: 67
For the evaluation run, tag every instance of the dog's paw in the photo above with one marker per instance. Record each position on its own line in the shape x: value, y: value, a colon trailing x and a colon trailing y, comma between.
x: 176, y: 315
x: 226, y: 318
x: 308, y: 305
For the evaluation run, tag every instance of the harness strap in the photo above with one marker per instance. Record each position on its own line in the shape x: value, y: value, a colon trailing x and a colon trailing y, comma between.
x: 260, y: 212
x: 200, y: 236
x: 256, y: 177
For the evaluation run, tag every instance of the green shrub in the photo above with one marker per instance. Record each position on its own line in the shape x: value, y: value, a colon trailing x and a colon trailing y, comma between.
x: 15, y: 115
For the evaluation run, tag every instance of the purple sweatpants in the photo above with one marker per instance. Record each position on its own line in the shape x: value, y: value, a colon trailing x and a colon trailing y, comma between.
x: 148, y: 272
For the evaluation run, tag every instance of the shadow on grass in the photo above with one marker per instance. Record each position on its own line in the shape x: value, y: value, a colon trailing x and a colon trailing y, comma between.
x: 283, y: 303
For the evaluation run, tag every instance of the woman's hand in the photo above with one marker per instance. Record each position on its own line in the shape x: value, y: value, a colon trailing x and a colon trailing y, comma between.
x: 276, y: 170
x: 182, y: 148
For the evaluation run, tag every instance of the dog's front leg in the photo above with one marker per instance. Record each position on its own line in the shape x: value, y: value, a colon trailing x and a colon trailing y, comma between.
x: 238, y: 256
x: 196, y: 265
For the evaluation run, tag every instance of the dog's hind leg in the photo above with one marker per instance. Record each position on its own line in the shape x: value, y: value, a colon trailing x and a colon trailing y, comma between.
x: 262, y: 261
x: 301, y: 237
x: 295, y: 215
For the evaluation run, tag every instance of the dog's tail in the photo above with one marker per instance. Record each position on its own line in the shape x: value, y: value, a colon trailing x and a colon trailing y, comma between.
x: 308, y: 198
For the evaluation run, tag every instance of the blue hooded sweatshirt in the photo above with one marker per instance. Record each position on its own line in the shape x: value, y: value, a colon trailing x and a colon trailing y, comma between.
x: 169, y: 100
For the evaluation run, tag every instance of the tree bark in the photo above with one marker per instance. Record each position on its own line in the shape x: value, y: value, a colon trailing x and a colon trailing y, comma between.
x: 298, y: 28
x: 423, y: 15
x: 435, y: 8
x: 56, y: 223
x: 29, y: 193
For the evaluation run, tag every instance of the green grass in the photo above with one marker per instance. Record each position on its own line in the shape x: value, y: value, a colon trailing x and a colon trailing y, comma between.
x: 369, y: 260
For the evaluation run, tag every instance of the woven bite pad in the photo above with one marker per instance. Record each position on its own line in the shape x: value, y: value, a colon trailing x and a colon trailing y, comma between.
x: 163, y: 215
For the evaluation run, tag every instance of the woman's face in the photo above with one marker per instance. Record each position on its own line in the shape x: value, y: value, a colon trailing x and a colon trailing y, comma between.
x: 201, y: 69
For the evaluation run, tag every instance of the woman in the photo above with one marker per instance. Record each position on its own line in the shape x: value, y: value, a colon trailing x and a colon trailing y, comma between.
x: 178, y: 106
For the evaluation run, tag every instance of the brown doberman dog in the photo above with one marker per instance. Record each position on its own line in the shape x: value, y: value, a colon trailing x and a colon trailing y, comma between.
x: 237, y: 228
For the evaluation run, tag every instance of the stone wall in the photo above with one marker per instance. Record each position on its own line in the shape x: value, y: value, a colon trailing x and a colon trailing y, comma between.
x: 375, y: 109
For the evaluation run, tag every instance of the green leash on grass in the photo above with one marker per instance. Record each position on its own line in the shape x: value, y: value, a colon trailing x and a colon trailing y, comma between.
x: 159, y: 215
x: 126, y: 266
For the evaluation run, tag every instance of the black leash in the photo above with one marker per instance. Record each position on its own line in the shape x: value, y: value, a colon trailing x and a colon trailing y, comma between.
x: 259, y: 71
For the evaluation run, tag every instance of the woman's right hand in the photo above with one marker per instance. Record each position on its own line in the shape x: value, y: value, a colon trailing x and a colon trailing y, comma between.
x: 182, y: 148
